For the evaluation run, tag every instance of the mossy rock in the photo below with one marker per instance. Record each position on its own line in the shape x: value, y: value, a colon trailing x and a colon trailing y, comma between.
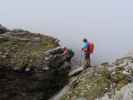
x: 89, y: 87
x: 24, y: 49
x: 121, y: 84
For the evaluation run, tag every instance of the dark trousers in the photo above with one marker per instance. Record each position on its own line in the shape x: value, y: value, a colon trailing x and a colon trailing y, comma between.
x: 87, y: 60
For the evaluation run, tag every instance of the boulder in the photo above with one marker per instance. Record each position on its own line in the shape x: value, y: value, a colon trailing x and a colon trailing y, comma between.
x: 3, y: 29
x: 32, y: 66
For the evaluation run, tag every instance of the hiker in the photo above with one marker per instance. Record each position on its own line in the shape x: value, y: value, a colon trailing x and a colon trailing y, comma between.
x: 68, y: 54
x: 87, y: 48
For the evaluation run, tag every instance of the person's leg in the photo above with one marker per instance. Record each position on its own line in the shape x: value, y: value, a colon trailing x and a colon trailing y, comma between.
x: 68, y: 59
x: 86, y: 61
x: 89, y: 60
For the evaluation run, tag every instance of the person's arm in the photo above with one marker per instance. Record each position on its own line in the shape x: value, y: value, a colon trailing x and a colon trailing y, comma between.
x: 65, y: 52
x: 84, y: 47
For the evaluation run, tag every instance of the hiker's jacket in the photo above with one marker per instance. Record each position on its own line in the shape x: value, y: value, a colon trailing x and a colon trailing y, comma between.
x: 85, y: 47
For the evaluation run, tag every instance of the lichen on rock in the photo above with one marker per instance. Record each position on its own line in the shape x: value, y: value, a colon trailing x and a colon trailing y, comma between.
x: 95, y: 82
x: 24, y: 49
x: 32, y: 66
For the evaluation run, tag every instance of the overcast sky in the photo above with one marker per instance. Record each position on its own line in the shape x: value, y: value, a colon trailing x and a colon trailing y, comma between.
x: 108, y: 22
x: 78, y: 13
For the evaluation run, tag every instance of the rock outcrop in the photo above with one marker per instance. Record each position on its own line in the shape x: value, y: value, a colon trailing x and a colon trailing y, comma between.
x: 3, y: 29
x: 125, y: 93
x: 32, y: 66
x: 103, y: 82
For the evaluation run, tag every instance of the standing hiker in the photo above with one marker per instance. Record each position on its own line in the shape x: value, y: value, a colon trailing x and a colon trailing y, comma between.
x: 88, y: 49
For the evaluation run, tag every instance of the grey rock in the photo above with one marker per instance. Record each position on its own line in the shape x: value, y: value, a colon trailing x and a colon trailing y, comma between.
x: 29, y: 68
x: 126, y: 93
x: 19, y: 31
x: 3, y: 29
x: 76, y: 71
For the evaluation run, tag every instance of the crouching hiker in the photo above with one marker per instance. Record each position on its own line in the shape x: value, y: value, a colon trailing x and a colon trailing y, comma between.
x: 88, y: 49
x: 68, y: 54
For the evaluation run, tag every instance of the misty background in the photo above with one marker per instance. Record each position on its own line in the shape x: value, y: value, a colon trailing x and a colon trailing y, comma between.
x: 109, y: 23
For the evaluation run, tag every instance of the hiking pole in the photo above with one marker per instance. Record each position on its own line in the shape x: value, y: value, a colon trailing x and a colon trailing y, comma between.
x: 81, y: 58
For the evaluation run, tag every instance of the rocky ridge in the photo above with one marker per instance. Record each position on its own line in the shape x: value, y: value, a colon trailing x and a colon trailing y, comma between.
x: 32, y: 66
x: 103, y: 82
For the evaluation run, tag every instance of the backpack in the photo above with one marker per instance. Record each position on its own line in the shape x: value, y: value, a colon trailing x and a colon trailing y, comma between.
x: 91, y: 47
x: 71, y: 52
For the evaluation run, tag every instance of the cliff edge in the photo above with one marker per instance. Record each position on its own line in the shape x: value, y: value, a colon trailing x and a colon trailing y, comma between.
x: 32, y: 66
